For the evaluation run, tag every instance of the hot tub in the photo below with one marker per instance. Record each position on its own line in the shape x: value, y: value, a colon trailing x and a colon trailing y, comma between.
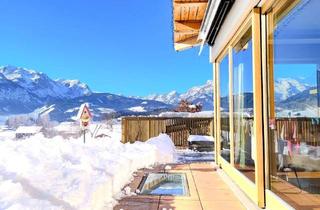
x: 174, y: 184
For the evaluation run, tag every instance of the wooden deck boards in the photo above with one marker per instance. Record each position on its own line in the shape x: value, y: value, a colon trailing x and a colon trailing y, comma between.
x: 207, y: 191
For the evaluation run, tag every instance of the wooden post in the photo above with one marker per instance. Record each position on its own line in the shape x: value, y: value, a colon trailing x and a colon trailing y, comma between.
x: 124, y: 130
x: 217, y: 113
x: 257, y: 104
x: 231, y: 130
x: 84, y: 136
x: 149, y: 125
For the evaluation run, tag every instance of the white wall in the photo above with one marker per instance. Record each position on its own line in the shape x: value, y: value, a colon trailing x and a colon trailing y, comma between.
x: 239, y: 11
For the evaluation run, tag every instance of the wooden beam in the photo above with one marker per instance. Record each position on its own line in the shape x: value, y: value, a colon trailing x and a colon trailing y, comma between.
x: 189, y: 4
x: 257, y: 104
x: 187, y: 26
x: 181, y: 33
x: 186, y: 43
x: 190, y: 40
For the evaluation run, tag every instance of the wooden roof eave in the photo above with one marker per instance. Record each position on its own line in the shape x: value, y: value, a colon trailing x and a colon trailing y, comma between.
x: 187, y: 19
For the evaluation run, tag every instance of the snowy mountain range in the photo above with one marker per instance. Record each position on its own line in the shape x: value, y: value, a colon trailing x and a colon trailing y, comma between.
x: 41, y: 85
x: 287, y: 87
x: 291, y: 95
x: 200, y: 94
x: 24, y: 91
x: 27, y: 91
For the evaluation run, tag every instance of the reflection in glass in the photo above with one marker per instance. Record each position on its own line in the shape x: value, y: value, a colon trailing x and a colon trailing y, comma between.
x: 224, y: 108
x: 243, y: 107
x: 294, y: 123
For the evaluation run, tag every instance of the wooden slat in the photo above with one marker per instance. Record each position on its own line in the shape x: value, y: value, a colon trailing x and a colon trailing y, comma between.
x: 187, y: 18
x: 182, y: 26
x: 143, y: 128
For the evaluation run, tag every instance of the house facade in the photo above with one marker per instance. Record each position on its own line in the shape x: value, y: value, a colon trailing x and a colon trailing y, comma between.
x: 266, y: 66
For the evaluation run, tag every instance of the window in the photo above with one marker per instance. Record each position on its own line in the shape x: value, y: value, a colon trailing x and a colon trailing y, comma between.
x: 224, y: 109
x: 294, y: 90
x: 243, y: 106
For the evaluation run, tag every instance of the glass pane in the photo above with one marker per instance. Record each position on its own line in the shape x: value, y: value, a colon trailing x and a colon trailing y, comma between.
x: 243, y: 107
x: 294, y: 123
x: 224, y: 108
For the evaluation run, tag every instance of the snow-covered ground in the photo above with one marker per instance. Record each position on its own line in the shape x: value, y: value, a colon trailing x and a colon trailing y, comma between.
x: 187, y: 114
x: 193, y: 138
x: 137, y: 109
x: 40, y: 173
x: 190, y: 156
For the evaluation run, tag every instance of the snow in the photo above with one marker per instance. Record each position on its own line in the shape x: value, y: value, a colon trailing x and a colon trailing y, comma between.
x: 286, y: 87
x: 29, y: 129
x: 3, y: 119
x: 41, y: 173
x: 170, y: 98
x: 166, y: 149
x: 72, y: 110
x: 187, y: 114
x: 71, y: 127
x: 310, y: 111
x: 192, y: 138
x: 49, y: 109
x: 137, y: 109
x: 8, y: 134
x: 41, y: 85
x: 106, y: 110
x: 198, y: 91
x: 204, y: 92
x: 191, y: 156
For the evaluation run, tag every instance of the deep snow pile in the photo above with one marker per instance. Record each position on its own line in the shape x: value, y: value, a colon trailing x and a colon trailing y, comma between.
x: 40, y: 173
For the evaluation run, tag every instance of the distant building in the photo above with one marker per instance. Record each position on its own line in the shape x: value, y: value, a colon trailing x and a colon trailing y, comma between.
x: 68, y: 129
x: 27, y: 131
x: 185, y: 106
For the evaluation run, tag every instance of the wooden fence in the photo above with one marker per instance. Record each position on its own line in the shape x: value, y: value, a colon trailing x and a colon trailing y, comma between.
x: 142, y: 128
x: 179, y: 129
x: 300, y: 129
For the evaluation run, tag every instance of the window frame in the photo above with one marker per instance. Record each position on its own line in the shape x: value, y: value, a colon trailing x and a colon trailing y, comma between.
x: 254, y: 190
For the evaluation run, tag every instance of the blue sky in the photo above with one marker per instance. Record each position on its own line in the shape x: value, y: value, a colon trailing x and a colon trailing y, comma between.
x: 113, y: 46
x: 305, y: 73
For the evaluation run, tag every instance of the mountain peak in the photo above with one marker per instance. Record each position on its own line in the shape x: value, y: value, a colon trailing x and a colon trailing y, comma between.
x: 76, y: 87
x: 199, y: 94
x: 41, y: 85
x: 287, y: 87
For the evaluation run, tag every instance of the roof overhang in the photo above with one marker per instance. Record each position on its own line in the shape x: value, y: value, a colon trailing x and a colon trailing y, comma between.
x: 214, y: 18
x: 187, y: 20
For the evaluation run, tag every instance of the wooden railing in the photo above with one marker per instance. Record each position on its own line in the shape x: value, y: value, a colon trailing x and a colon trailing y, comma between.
x: 179, y: 129
x: 304, y: 129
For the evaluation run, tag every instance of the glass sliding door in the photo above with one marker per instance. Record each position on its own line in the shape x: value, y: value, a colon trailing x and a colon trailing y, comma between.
x: 294, y: 90
x: 224, y: 108
x: 244, y: 142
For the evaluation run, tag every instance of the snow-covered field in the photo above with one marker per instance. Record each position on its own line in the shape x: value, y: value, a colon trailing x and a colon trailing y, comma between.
x: 40, y: 173
x: 187, y: 114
